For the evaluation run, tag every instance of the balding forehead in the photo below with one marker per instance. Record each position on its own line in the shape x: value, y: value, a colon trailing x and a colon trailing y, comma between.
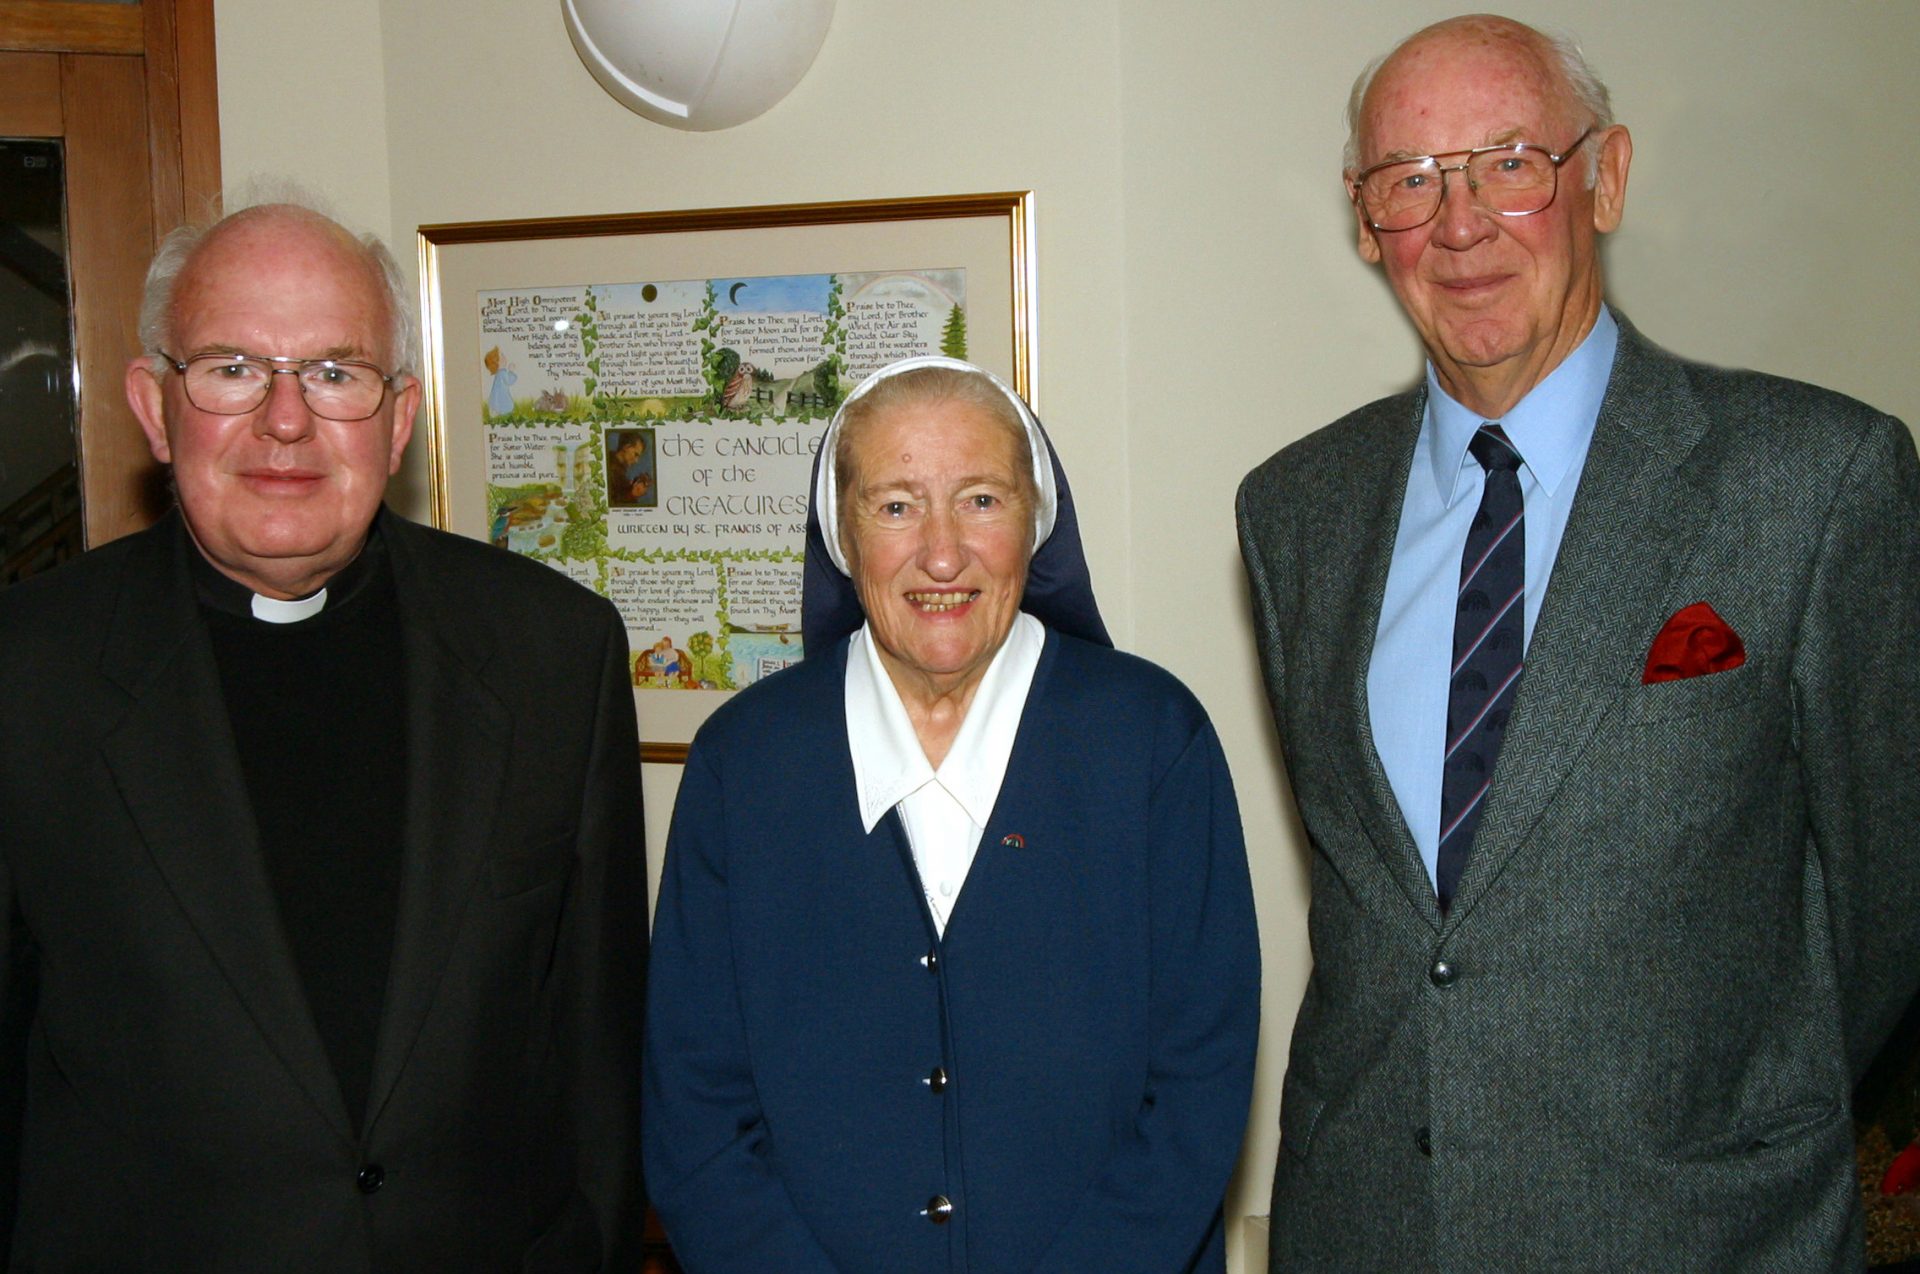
x: 1480, y: 30
x: 1522, y: 49
x: 1462, y: 59
x: 263, y: 224
x: 274, y: 226
x: 287, y: 228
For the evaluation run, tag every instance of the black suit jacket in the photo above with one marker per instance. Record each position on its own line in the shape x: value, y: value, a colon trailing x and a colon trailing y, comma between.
x: 168, y: 1103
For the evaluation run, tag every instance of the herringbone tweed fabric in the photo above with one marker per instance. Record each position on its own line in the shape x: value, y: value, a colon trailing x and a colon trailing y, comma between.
x: 1692, y: 908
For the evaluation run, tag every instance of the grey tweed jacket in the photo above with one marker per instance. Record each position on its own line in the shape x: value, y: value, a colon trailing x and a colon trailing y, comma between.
x: 1692, y: 910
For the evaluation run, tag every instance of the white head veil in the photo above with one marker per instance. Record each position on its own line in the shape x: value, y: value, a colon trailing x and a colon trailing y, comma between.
x: 826, y: 488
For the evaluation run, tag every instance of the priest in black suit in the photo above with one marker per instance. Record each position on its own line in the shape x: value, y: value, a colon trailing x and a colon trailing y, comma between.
x: 321, y: 865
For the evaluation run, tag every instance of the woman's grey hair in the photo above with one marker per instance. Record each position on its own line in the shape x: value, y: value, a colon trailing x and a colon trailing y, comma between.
x: 178, y: 249
x: 920, y: 387
x: 1588, y: 94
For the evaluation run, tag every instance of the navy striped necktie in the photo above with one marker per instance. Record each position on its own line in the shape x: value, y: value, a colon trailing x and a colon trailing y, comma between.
x: 1489, y: 638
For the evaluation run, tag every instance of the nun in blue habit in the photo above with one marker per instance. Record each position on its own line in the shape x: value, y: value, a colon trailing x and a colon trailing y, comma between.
x: 954, y: 965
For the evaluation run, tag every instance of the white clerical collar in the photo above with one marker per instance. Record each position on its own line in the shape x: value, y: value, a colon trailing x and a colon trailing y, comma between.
x: 274, y: 611
x: 888, y: 762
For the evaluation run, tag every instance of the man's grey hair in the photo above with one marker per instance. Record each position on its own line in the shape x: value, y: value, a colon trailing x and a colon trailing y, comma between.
x: 179, y: 247
x: 1589, y: 95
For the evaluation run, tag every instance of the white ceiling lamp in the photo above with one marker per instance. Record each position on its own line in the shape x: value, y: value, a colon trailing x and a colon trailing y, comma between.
x: 698, y: 64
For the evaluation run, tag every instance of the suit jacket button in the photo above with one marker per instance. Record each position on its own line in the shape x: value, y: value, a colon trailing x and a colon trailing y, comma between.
x: 939, y: 1208
x: 1423, y: 1139
x: 370, y: 1179
x: 932, y: 961
x: 1441, y: 974
x: 938, y: 1080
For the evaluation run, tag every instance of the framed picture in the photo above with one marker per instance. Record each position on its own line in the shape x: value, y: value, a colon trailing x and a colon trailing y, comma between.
x: 637, y: 400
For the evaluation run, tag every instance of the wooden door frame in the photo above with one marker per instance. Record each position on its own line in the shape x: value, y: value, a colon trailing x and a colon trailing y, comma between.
x: 175, y: 37
x: 160, y: 55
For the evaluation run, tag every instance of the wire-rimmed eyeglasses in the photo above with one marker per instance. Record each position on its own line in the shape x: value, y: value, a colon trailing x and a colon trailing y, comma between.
x: 235, y: 384
x: 1517, y: 179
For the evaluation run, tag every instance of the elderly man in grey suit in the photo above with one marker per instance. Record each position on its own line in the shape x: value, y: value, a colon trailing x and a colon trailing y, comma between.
x: 1597, y: 674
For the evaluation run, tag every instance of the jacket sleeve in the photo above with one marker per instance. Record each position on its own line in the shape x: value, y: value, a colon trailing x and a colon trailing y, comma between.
x: 1856, y: 686
x: 1266, y: 621
x: 1157, y: 1204
x: 600, y: 977
x: 725, y: 1209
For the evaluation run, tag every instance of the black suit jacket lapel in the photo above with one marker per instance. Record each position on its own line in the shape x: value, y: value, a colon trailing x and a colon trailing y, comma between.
x: 458, y: 733
x: 1634, y: 523
x: 172, y: 757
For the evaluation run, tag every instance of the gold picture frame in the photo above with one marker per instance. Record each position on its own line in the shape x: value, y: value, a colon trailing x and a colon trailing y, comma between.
x: 989, y: 237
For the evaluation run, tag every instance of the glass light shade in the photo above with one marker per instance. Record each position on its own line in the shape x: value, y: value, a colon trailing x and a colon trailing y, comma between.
x: 698, y: 64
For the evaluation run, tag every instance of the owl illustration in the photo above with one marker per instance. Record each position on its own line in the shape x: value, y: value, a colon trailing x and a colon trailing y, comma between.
x: 739, y: 388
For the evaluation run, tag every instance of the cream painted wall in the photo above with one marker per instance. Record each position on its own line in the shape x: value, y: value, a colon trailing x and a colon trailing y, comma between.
x: 298, y: 98
x: 1200, y: 301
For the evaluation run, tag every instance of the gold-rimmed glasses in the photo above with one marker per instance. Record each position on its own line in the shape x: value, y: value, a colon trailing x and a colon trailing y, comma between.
x: 235, y: 384
x: 1516, y: 179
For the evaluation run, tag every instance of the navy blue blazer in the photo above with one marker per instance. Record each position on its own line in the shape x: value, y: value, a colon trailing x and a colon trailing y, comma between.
x: 1070, y: 1067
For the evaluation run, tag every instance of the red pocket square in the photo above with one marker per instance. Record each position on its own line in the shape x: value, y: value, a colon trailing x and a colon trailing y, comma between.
x: 1695, y: 642
x: 1904, y: 1172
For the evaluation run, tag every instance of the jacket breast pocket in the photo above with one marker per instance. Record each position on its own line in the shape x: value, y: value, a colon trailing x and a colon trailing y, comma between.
x: 521, y: 870
x: 1691, y: 696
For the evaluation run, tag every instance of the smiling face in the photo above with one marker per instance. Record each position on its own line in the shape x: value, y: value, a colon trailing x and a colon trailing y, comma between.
x: 1498, y: 301
x: 937, y: 528
x: 279, y: 498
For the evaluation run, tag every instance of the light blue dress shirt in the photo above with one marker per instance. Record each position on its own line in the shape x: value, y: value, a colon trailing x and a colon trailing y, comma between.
x: 1413, y: 648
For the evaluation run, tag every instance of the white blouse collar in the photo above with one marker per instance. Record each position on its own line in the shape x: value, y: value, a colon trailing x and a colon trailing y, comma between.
x: 888, y: 763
